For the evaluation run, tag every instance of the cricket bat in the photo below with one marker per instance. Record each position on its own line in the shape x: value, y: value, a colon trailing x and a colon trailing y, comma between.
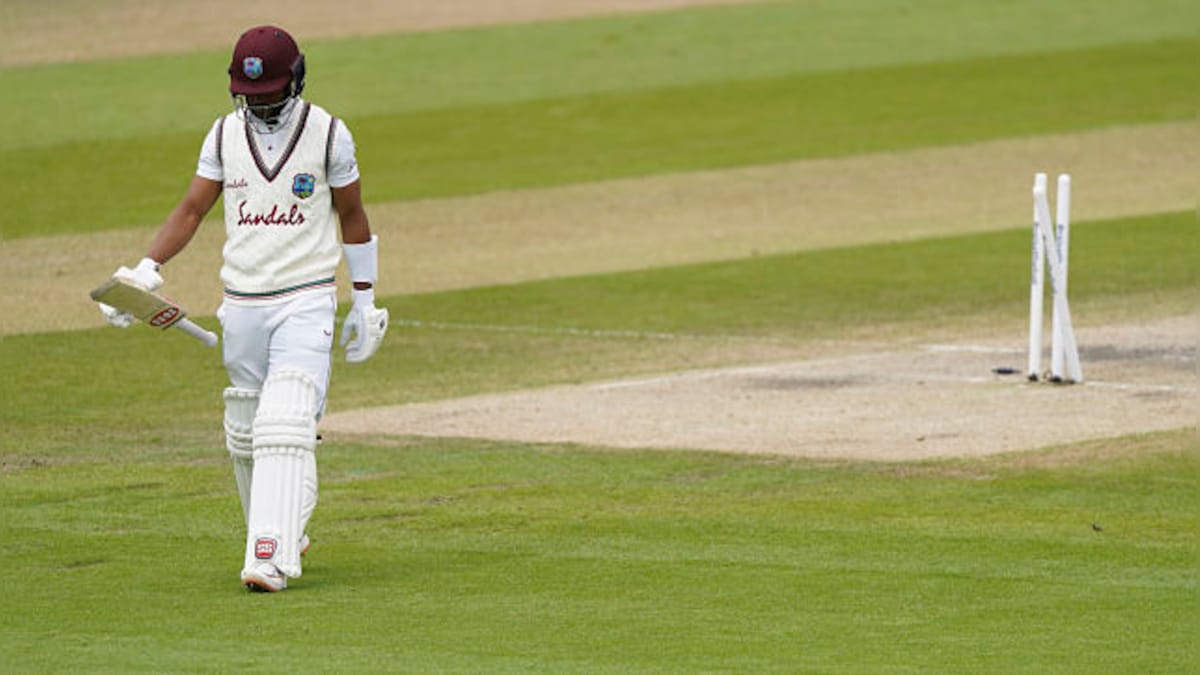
x: 151, y: 308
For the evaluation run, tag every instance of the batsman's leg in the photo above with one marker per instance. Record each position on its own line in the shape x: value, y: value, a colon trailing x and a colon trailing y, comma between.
x: 302, y: 342
x: 285, y: 436
x: 240, y: 408
x: 309, y: 498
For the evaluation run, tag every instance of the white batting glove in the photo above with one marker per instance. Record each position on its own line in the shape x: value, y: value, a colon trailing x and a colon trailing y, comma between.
x: 115, y: 316
x: 364, y: 328
x: 146, y: 275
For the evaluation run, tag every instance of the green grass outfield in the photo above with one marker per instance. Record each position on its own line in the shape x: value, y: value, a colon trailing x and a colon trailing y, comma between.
x: 119, y: 537
x: 436, y: 556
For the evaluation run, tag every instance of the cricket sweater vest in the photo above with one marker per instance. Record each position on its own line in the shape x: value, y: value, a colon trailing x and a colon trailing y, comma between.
x: 280, y: 224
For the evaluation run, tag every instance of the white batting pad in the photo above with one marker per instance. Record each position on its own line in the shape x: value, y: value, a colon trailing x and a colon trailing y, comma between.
x: 285, y: 435
x: 276, y: 502
x: 243, y: 475
x: 287, y: 412
x: 240, y: 408
x: 309, y: 503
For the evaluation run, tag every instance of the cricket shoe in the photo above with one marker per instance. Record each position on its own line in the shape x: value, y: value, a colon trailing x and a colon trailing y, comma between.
x: 264, y: 577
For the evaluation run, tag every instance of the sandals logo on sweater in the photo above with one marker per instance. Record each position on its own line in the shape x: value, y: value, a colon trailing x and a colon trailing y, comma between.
x: 276, y: 216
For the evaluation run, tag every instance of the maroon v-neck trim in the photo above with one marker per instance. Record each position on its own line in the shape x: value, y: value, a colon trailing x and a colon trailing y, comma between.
x: 271, y: 172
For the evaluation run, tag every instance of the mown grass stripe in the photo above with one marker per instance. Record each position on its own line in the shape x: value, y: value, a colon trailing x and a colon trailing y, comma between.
x: 819, y: 291
x: 554, y: 142
x: 764, y: 121
x: 390, y: 74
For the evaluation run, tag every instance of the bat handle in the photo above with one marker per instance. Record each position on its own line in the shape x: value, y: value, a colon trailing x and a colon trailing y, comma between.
x: 208, y: 337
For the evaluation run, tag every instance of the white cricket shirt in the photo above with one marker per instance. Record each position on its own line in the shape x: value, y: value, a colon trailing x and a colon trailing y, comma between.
x: 280, y: 225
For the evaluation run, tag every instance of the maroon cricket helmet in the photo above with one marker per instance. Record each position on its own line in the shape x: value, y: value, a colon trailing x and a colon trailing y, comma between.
x: 266, y: 60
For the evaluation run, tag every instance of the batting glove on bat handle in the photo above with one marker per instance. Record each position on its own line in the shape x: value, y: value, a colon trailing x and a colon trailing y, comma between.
x: 145, y: 274
x: 115, y: 316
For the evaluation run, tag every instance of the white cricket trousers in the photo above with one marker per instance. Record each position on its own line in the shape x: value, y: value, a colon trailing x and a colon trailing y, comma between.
x: 296, y: 334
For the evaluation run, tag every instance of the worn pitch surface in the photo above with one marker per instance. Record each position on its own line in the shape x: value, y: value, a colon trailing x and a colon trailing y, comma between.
x: 873, y: 402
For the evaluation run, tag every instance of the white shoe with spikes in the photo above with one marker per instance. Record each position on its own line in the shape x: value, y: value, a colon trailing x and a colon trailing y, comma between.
x: 264, y: 577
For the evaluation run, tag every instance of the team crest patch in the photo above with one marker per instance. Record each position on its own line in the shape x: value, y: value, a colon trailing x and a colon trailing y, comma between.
x: 303, y: 185
x: 252, y: 67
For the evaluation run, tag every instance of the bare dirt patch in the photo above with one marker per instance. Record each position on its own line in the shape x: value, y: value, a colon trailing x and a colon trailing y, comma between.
x: 628, y: 224
x: 35, y: 31
x: 894, y: 403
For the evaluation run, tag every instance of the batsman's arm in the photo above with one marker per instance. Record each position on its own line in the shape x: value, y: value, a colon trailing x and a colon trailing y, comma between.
x: 365, y: 325
x: 356, y: 229
x: 183, y: 221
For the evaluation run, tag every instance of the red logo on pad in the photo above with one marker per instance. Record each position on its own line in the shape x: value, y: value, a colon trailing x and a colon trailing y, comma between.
x: 264, y: 548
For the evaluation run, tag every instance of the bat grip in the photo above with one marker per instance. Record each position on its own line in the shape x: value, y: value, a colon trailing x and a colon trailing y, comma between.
x: 208, y: 337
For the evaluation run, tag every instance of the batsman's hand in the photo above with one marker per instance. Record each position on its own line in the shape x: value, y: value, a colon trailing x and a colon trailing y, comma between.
x: 364, y: 328
x: 115, y: 316
x: 146, y: 275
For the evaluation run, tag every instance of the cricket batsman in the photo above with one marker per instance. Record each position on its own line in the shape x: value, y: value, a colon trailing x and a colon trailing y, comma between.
x: 287, y: 171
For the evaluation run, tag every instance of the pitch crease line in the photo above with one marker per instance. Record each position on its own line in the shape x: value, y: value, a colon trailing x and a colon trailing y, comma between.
x: 579, y: 332
x: 972, y: 349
